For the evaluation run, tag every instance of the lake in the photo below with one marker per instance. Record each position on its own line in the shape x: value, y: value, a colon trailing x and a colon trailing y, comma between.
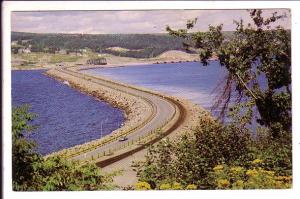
x: 66, y: 117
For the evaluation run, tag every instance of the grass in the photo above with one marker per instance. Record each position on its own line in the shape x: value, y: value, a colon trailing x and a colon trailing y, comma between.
x: 47, y: 57
x: 57, y: 58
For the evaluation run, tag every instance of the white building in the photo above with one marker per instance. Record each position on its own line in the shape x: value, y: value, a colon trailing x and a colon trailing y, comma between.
x: 13, y: 43
x: 24, y: 50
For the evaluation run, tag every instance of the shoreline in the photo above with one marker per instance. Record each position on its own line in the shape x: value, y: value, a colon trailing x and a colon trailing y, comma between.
x: 134, y: 114
x: 87, y: 67
x: 133, y: 64
x: 136, y: 63
x: 136, y: 110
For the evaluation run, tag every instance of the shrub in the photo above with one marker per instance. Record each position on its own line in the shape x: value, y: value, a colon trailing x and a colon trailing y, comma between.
x: 254, y: 177
x: 165, y: 186
x: 190, y: 159
x: 31, y: 172
x: 142, y: 186
x: 191, y: 187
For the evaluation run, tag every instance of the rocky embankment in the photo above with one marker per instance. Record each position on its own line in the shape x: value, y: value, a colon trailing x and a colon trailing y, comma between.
x: 136, y: 110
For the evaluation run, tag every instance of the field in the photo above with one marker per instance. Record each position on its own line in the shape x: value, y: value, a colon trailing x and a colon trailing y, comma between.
x: 40, y: 60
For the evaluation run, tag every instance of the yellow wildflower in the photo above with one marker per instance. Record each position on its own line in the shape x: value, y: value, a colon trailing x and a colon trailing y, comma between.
x: 165, y: 186
x: 279, y: 178
x: 252, y: 172
x: 237, y: 170
x: 191, y: 187
x: 218, y: 168
x: 278, y: 185
x: 257, y: 161
x: 288, y: 178
x: 223, y: 183
x: 239, y: 184
x: 142, y: 186
x: 284, y: 178
x: 177, y: 186
x: 271, y: 173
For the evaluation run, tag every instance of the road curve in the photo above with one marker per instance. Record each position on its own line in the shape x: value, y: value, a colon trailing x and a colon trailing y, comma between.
x: 163, y: 109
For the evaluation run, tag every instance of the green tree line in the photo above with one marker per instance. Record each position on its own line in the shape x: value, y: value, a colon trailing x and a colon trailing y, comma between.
x: 148, y: 44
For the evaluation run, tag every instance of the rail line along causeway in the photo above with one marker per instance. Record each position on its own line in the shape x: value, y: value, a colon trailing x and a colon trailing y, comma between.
x: 150, y: 116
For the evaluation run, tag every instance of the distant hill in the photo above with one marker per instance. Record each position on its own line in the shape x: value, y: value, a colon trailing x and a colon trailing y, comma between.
x: 176, y: 55
x: 149, y: 43
x: 136, y: 45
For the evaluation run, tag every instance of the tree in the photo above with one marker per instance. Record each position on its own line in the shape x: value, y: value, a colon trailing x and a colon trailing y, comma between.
x: 200, y: 157
x: 190, y: 158
x: 23, y: 156
x: 258, y: 61
x: 31, y: 172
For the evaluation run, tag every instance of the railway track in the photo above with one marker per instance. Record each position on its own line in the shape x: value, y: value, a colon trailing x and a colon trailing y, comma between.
x: 162, y: 108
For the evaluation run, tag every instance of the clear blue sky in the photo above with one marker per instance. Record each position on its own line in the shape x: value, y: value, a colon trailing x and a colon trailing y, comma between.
x: 155, y: 21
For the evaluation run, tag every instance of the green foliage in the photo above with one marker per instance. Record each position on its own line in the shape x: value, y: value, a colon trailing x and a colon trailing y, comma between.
x: 190, y: 159
x: 165, y: 186
x: 253, y: 177
x: 150, y: 45
x: 55, y: 173
x: 142, y: 186
x: 31, y: 172
x: 23, y: 156
x: 57, y: 58
x: 276, y: 152
x: 46, y: 57
x: 253, y: 53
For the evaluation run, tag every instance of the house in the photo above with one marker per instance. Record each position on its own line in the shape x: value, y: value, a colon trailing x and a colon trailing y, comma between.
x: 25, y: 41
x: 24, y: 50
x: 27, y: 50
x: 83, y: 50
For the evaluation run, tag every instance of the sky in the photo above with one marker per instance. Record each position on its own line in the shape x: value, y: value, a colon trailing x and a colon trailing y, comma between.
x: 118, y: 22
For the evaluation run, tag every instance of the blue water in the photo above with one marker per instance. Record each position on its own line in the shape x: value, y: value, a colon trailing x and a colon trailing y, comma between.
x: 190, y: 80
x: 200, y: 84
x: 66, y: 117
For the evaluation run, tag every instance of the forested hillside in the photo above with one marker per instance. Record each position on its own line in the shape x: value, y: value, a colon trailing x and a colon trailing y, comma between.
x: 139, y: 45
x: 149, y: 45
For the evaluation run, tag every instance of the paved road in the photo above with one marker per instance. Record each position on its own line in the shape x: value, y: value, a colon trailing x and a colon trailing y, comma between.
x: 163, y: 111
